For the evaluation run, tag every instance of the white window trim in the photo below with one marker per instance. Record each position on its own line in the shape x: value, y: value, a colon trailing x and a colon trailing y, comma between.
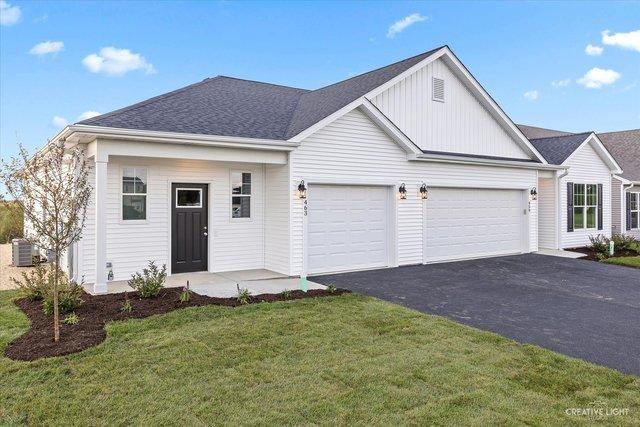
x: 121, y: 220
x: 584, y: 207
x: 231, y: 196
x: 637, y: 209
x: 199, y: 190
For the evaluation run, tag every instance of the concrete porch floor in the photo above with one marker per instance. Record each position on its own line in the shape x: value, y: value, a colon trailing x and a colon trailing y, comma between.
x: 559, y: 253
x: 222, y: 285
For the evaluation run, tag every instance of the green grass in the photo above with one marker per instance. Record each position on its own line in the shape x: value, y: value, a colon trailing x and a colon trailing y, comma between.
x: 338, y: 360
x: 629, y: 261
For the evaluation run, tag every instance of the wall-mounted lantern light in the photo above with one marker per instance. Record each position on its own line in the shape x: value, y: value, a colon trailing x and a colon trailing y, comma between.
x: 424, y: 193
x: 402, y: 191
x: 302, y: 190
x: 533, y: 194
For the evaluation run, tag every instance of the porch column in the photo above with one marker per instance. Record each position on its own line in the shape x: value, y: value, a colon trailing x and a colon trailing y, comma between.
x: 100, y: 191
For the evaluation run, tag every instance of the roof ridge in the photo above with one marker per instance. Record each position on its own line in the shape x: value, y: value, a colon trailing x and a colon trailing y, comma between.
x: 263, y: 83
x: 149, y: 100
x: 562, y: 136
x: 619, y: 131
x: 380, y: 68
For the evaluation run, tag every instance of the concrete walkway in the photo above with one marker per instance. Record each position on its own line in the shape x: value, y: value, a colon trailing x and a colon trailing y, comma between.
x: 560, y: 253
x: 223, y: 285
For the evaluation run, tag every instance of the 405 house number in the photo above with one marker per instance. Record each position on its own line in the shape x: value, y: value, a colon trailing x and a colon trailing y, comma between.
x: 305, y: 207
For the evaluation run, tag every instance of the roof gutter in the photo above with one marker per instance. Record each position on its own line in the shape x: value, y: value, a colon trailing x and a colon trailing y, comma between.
x: 444, y: 158
x: 88, y: 133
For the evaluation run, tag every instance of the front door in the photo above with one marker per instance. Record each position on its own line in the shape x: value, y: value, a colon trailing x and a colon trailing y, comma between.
x: 189, y: 227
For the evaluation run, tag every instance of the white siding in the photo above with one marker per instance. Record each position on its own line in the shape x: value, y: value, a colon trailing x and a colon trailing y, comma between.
x: 460, y: 124
x: 617, y: 208
x: 353, y: 149
x: 547, y: 213
x: 277, y: 214
x: 586, y: 167
x: 233, y: 244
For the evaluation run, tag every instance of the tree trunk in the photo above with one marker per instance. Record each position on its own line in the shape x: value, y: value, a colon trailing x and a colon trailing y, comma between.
x: 56, y: 309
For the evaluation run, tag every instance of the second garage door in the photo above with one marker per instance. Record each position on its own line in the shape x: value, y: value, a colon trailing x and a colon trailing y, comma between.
x: 472, y: 223
x: 347, y: 228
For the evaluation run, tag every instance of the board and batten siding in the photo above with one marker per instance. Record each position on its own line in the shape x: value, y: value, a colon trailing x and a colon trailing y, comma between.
x: 547, y: 212
x: 460, y: 124
x: 233, y: 244
x: 352, y: 149
x: 277, y: 214
x: 585, y: 167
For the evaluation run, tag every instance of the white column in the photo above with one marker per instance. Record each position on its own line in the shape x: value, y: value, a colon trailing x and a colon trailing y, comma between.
x: 100, y: 192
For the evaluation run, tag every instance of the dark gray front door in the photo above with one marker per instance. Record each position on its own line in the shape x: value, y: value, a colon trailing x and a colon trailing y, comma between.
x: 189, y: 228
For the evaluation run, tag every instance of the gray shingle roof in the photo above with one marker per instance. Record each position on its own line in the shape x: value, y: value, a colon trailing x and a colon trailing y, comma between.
x: 624, y: 146
x: 533, y: 132
x: 557, y: 149
x: 233, y: 107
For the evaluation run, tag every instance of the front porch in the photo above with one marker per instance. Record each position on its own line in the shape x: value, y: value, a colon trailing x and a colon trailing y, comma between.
x: 221, y: 285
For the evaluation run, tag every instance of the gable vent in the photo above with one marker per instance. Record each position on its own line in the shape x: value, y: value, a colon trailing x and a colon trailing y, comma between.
x: 438, y: 89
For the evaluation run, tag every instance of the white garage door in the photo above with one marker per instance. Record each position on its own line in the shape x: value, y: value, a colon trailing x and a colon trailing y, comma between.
x: 347, y: 228
x: 471, y: 223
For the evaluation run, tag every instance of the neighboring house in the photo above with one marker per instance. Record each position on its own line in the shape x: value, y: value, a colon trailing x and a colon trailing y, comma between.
x: 212, y: 177
x: 625, y: 188
x: 574, y: 204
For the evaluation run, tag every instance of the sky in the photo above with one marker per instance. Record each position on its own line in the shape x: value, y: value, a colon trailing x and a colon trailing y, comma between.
x: 573, y: 66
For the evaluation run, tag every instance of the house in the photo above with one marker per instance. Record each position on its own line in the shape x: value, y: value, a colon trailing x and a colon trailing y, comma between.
x: 625, y: 187
x: 576, y: 203
x: 410, y: 163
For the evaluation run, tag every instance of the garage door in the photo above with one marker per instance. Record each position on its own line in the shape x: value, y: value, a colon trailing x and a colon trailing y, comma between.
x: 347, y: 228
x: 471, y: 223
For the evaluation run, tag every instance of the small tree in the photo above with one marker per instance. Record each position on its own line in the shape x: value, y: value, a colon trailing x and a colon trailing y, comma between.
x: 53, y: 191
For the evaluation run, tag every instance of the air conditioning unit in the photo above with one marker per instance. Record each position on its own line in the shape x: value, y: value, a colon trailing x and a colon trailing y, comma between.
x: 22, y: 253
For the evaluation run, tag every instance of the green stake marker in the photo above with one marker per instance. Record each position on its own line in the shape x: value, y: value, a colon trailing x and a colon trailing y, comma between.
x: 304, y: 285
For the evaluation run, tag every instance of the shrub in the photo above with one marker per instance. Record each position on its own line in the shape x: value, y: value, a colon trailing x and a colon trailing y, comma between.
x: 11, y: 221
x: 600, y: 244
x: 69, y: 297
x: 126, y: 305
x: 624, y: 242
x: 36, y: 283
x: 286, y: 294
x: 150, y: 282
x: 331, y: 288
x: 243, y: 295
x: 185, y: 295
x: 71, y: 319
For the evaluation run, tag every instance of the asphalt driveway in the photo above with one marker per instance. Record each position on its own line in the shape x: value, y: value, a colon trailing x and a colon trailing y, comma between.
x: 579, y: 308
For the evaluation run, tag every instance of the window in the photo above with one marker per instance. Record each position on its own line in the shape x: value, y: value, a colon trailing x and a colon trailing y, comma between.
x: 188, y: 198
x: 634, y: 205
x: 585, y: 206
x: 134, y: 194
x: 240, y: 195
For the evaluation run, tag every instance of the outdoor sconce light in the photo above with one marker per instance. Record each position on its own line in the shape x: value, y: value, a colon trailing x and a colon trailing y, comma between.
x: 534, y: 194
x: 402, y: 191
x: 424, y: 193
x: 302, y: 190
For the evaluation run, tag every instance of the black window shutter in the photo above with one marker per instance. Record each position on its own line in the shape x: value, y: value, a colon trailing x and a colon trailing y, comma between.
x: 600, y: 216
x: 569, y: 206
x: 628, y: 211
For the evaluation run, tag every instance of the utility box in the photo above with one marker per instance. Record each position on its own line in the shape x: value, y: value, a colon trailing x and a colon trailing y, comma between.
x: 22, y: 253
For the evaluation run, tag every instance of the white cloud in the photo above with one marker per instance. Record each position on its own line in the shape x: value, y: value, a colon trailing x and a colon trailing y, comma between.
x: 116, y: 62
x: 59, y: 122
x: 630, y: 40
x: 401, y: 25
x: 531, y: 95
x: 9, y: 15
x: 561, y: 83
x: 87, y: 115
x: 597, y: 77
x: 592, y: 50
x: 46, y: 47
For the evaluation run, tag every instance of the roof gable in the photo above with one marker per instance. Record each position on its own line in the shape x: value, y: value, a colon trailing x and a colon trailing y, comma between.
x: 559, y: 150
x: 625, y: 147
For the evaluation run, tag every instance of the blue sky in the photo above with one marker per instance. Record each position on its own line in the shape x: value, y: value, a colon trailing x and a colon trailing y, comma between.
x: 53, y: 61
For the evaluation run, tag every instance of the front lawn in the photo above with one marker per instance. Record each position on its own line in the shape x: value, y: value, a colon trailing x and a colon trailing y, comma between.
x: 345, y: 359
x: 629, y: 261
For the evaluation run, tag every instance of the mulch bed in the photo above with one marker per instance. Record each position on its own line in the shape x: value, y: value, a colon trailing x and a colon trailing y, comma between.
x: 590, y: 254
x: 97, y: 310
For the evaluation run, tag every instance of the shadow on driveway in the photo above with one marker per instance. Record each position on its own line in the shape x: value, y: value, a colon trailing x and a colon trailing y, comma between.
x: 579, y: 308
